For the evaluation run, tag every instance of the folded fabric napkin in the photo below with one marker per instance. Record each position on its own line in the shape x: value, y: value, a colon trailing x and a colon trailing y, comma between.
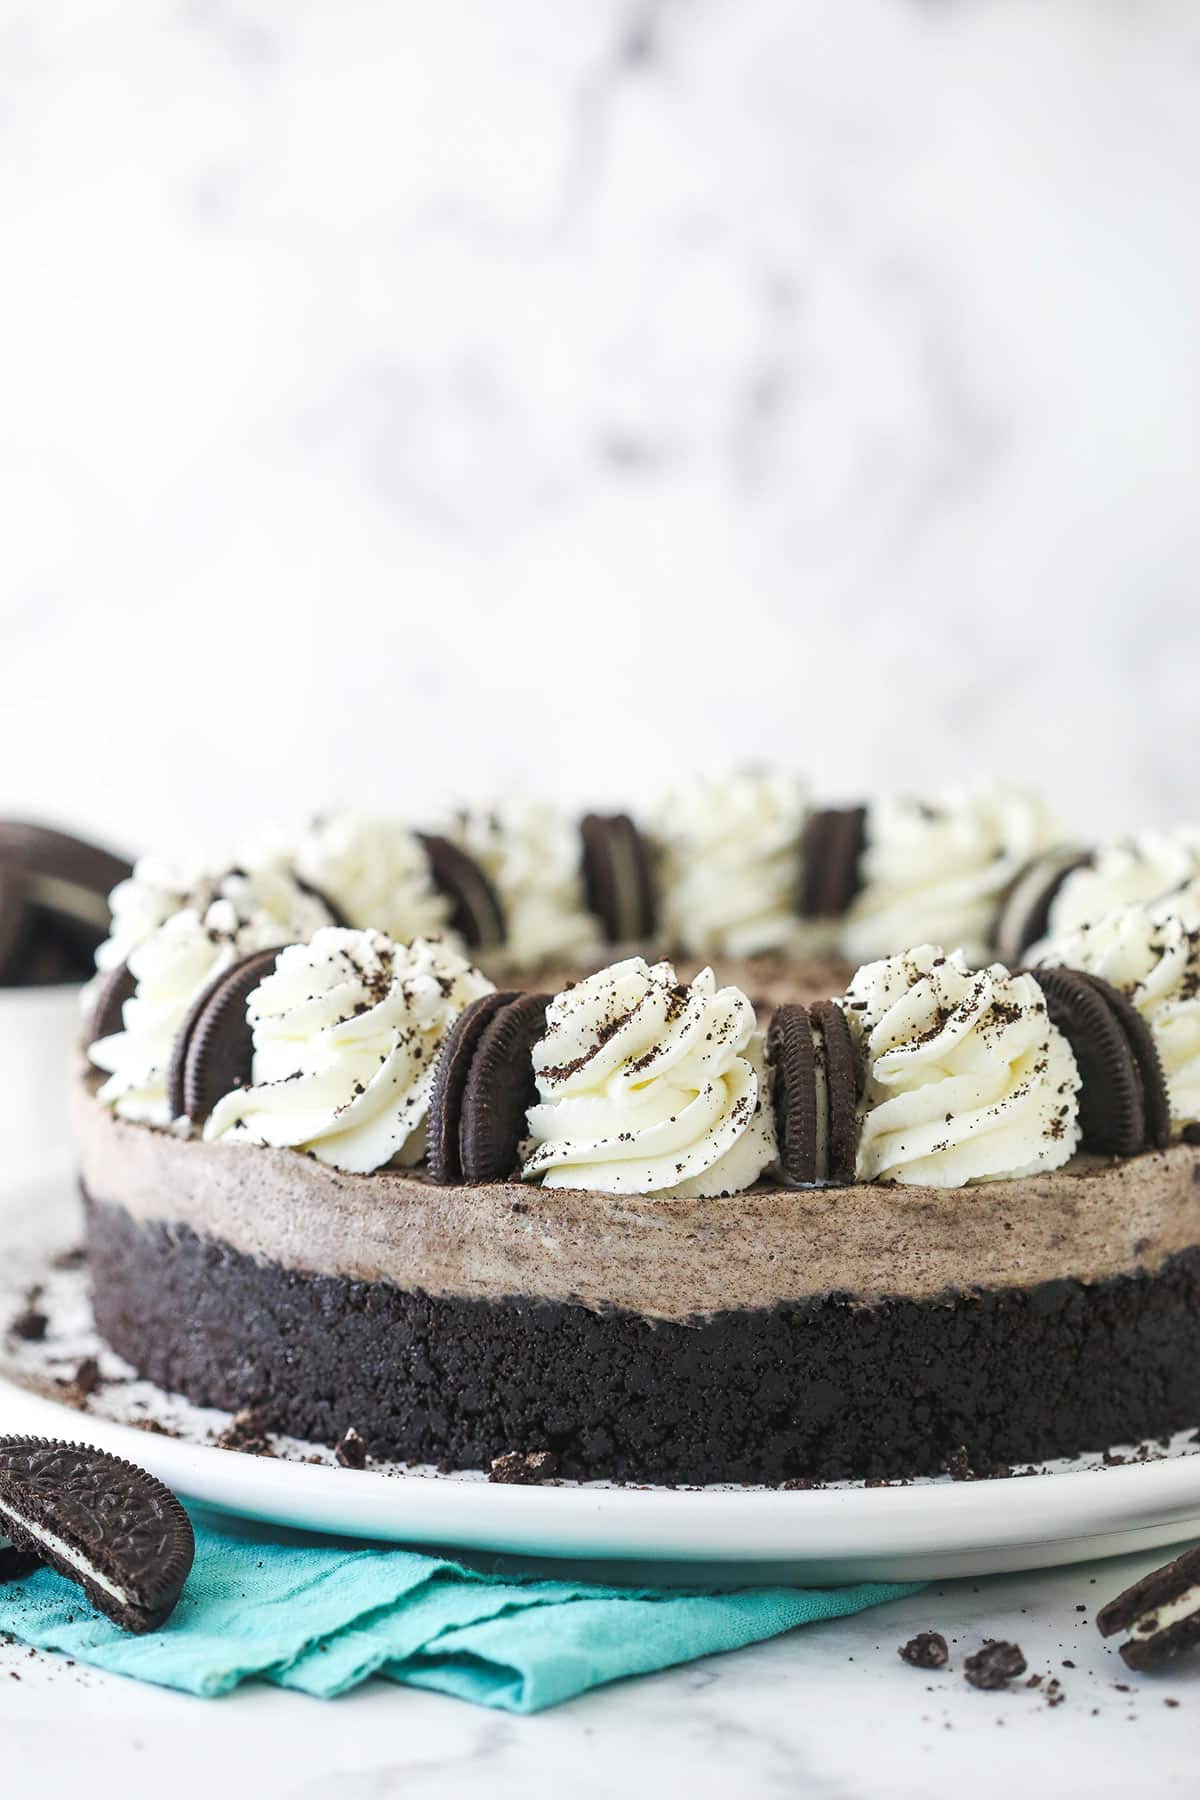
x: 322, y: 1615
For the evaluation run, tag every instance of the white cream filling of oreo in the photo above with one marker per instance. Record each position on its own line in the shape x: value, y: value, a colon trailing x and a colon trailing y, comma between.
x: 74, y: 1559
x: 1159, y: 1617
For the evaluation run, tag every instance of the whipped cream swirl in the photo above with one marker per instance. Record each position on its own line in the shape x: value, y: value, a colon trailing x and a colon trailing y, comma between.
x: 1150, y: 866
x: 347, y: 1031
x: 375, y: 870
x: 731, y: 863
x: 935, y: 871
x: 532, y: 855
x: 227, y: 917
x: 650, y: 1086
x: 1152, y: 954
x: 966, y: 1079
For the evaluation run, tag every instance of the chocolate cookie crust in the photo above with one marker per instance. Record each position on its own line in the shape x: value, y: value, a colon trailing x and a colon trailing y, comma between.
x: 820, y: 1388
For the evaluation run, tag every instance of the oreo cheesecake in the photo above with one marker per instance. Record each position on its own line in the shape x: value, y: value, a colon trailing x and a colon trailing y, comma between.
x: 350, y: 1178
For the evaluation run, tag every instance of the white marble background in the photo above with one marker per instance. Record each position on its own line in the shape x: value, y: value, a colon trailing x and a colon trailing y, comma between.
x: 408, y: 401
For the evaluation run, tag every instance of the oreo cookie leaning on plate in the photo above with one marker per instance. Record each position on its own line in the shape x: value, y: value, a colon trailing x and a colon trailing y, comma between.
x: 1024, y: 913
x: 475, y: 909
x: 1161, y: 1612
x: 831, y: 849
x: 483, y: 1088
x: 815, y: 1092
x: 110, y: 1527
x: 1123, y: 1103
x: 67, y: 881
x: 214, y: 1046
x: 618, y: 878
x: 16, y: 923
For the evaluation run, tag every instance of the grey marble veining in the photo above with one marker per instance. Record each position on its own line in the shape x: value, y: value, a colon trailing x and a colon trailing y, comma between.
x: 410, y: 402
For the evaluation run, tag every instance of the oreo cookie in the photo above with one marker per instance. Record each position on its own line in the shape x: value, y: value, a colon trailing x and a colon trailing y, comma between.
x: 16, y: 923
x: 831, y: 851
x: 791, y: 1054
x: 1023, y: 917
x: 1161, y: 1612
x: 1123, y: 1103
x: 475, y: 909
x: 100, y: 1522
x: 450, y: 1082
x: 108, y: 1004
x: 67, y: 882
x: 483, y: 1088
x: 618, y: 878
x: 841, y: 1083
x: 815, y: 1092
x: 214, y: 1046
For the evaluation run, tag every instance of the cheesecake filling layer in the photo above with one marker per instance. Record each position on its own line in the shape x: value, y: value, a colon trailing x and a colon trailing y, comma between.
x: 670, y: 1259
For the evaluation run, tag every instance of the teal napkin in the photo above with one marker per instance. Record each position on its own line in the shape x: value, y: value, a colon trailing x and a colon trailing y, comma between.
x: 321, y: 1615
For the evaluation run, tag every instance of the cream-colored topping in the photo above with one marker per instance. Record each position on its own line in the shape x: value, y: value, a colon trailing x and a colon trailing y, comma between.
x: 965, y: 1078
x: 935, y: 871
x: 730, y: 863
x: 179, y: 958
x: 375, y: 870
x: 649, y: 1087
x: 1146, y: 867
x: 346, y: 1034
x: 142, y: 902
x: 1152, y: 954
x: 645, y: 1254
x: 532, y: 855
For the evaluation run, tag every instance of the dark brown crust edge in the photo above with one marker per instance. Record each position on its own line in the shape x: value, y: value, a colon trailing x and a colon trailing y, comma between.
x: 820, y: 1388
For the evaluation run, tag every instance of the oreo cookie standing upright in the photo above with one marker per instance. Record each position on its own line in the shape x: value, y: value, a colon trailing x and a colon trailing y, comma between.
x: 618, y: 878
x: 1023, y: 917
x: 476, y: 913
x: 1124, y: 1107
x: 66, y: 882
x: 483, y: 1087
x: 831, y: 852
x: 214, y: 1046
x: 815, y: 1092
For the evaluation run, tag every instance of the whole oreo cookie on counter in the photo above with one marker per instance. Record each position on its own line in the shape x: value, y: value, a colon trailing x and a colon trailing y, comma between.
x: 1161, y: 1612
x: 54, y: 914
x: 110, y: 1527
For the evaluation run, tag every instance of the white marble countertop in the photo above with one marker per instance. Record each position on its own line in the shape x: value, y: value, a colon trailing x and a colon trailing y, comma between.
x: 828, y: 1711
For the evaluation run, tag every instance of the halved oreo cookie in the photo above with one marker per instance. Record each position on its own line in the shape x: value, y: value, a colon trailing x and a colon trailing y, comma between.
x: 831, y: 850
x: 1161, y: 1611
x: 483, y: 1088
x: 792, y: 1056
x: 475, y: 909
x: 455, y: 1057
x: 618, y: 878
x: 108, y: 1006
x: 110, y: 1527
x: 1024, y: 913
x: 813, y: 1064
x: 1123, y: 1103
x: 841, y: 1082
x: 214, y: 1046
